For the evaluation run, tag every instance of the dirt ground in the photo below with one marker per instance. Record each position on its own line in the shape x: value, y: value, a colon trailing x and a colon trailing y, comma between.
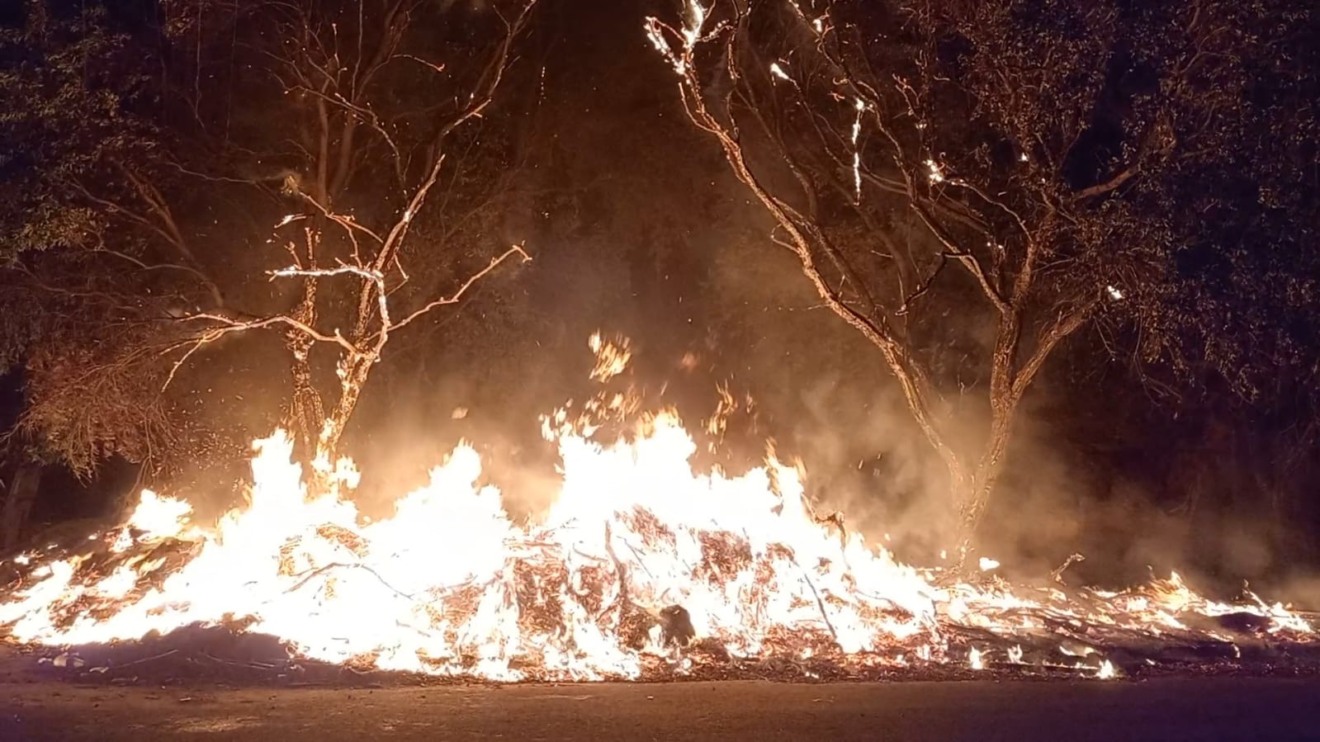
x: 1161, y: 709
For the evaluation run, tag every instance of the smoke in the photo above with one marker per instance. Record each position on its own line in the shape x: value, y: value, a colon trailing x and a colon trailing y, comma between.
x: 646, y: 234
x: 825, y: 396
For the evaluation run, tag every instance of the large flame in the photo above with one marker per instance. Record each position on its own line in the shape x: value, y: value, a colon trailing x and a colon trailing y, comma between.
x: 640, y: 562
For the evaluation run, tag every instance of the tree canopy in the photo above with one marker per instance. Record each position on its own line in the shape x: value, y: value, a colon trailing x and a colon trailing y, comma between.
x: 1119, y: 197
x: 993, y: 177
x: 189, y: 173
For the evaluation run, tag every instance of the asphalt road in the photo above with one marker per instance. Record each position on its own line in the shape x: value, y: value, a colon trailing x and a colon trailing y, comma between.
x: 1165, y: 709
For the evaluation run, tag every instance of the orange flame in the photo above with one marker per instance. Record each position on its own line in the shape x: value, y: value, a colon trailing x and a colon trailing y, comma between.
x: 638, y: 557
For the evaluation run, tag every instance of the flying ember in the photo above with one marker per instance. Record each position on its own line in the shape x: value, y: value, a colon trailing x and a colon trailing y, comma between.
x: 642, y: 567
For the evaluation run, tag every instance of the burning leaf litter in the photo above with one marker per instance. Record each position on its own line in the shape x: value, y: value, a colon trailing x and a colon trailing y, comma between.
x: 642, y: 568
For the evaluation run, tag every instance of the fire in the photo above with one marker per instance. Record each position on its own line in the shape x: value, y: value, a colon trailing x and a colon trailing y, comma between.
x: 451, y: 585
x: 641, y: 566
x: 611, y: 357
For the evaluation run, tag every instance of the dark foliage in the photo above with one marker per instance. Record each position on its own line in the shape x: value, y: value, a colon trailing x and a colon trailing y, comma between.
x: 167, y: 156
x: 970, y: 184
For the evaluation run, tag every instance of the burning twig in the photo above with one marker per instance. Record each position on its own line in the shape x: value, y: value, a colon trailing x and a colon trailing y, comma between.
x: 820, y: 603
x: 144, y: 660
x: 458, y: 295
x: 309, y: 576
x: 1057, y: 573
x: 250, y: 664
x: 621, y: 599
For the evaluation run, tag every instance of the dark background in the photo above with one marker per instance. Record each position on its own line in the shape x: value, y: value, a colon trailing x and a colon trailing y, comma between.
x: 641, y: 232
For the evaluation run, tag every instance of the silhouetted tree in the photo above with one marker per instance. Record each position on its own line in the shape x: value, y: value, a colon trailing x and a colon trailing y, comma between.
x: 164, y: 150
x: 969, y: 184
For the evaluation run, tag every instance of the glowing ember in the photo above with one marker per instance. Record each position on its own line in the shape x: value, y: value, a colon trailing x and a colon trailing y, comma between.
x: 611, y: 357
x: 582, y: 596
x: 641, y: 564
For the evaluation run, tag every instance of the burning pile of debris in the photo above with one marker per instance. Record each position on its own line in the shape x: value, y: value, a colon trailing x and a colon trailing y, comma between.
x: 641, y: 568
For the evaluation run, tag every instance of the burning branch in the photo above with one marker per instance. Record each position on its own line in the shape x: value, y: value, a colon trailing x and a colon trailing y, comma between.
x: 309, y: 575
x: 462, y: 289
x: 228, y: 325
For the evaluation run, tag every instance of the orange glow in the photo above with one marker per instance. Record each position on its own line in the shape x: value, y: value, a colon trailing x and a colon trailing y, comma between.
x: 634, y: 541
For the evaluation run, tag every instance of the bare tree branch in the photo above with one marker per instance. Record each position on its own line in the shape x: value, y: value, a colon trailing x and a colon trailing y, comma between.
x: 462, y: 289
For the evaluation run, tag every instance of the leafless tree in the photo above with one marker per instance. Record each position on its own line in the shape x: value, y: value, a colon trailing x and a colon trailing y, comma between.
x: 367, y: 107
x: 939, y: 167
x: 350, y: 135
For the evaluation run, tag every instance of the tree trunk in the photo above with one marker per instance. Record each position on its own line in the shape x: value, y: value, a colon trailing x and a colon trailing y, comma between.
x: 354, y: 377
x: 987, y: 472
x: 972, y: 493
x: 307, y: 414
x: 20, y: 497
x: 973, y: 497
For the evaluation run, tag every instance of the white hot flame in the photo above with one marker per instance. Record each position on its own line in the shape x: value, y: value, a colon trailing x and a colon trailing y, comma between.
x: 449, y: 585
x: 695, y: 21
x: 936, y: 174
x: 860, y: 106
x: 975, y: 660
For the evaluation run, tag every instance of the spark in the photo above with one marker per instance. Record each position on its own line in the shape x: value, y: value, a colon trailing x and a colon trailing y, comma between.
x: 695, y: 18
x: 1114, y: 293
x: 611, y: 357
x: 725, y: 407
x: 988, y: 564
x: 778, y: 71
x: 655, y: 35
x: 860, y: 107
x: 817, y: 23
x: 936, y: 174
